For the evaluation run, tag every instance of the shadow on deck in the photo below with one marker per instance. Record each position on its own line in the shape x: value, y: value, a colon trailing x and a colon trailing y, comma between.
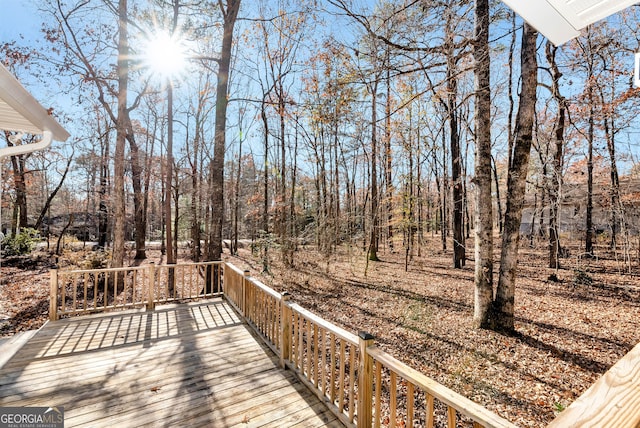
x: 182, y: 365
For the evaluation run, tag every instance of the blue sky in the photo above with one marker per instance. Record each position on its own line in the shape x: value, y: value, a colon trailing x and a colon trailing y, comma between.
x: 19, y: 17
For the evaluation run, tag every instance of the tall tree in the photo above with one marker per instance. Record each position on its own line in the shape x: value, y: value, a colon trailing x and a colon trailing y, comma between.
x: 589, y: 49
x: 229, y: 10
x: 503, y: 306
x: 80, y: 51
x: 451, y: 106
x: 117, y: 257
x: 555, y: 176
x: 483, y: 229
x: 372, y: 253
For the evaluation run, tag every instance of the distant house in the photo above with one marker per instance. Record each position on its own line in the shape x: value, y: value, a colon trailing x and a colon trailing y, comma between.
x: 573, y: 209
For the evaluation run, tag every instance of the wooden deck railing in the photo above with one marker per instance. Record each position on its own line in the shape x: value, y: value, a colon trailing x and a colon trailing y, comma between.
x: 612, y: 401
x: 363, y: 385
x: 78, y: 292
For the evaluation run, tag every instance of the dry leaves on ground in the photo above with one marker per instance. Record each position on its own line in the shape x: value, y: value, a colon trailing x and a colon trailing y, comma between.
x: 568, y: 332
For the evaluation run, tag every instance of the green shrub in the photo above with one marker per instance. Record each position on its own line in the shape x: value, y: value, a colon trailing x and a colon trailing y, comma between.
x: 22, y: 243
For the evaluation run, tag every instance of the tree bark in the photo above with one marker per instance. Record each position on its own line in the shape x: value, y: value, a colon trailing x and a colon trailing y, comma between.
x: 20, y: 205
x: 236, y: 195
x: 483, y: 230
x: 214, y: 248
x: 503, y: 307
x: 498, y: 200
x: 117, y: 257
x: 459, y: 254
x: 388, y: 154
x: 140, y: 218
x: 265, y: 186
x: 103, y: 210
x: 168, y: 183
x: 555, y: 179
x: 372, y: 253
x: 588, y: 238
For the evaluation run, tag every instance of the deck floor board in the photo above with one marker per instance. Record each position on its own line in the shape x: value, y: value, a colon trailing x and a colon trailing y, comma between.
x: 192, y: 365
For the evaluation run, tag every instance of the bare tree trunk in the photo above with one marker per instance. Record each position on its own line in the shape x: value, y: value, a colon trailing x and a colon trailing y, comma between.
x: 459, y: 256
x: 236, y: 197
x: 388, y: 156
x: 444, y: 207
x: 440, y: 212
x: 214, y: 250
x: 103, y: 211
x: 229, y: 12
x: 117, y: 257
x: 498, y: 200
x: 293, y: 230
x: 168, y: 184
x: 195, y: 190
x: 503, y: 308
x: 483, y: 229
x: 608, y: 122
x: 534, y: 215
x: 149, y: 149
x: 140, y: 218
x: 265, y: 206
x: 588, y: 238
x: 372, y: 253
x: 555, y: 179
x: 339, y: 231
x: 20, y: 204
x: 512, y: 48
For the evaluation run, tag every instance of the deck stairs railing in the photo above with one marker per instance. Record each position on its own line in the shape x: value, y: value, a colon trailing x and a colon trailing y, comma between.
x: 363, y: 385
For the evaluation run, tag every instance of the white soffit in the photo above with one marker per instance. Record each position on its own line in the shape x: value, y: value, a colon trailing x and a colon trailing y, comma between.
x: 561, y: 20
x: 19, y: 110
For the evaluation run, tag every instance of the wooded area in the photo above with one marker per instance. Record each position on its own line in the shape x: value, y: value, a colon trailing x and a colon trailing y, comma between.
x: 337, y: 123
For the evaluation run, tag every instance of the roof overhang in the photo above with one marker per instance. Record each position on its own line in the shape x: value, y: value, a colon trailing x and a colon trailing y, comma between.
x: 20, y: 112
x: 561, y: 20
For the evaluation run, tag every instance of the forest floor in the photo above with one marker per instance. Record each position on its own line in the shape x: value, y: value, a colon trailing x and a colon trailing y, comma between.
x: 569, y: 331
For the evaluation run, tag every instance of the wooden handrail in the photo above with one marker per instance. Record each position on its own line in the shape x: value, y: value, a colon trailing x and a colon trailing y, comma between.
x: 86, y: 291
x: 325, y: 358
x: 264, y: 288
x: 339, y: 332
x: 103, y: 270
x: 612, y: 401
x: 343, y: 369
x: 449, y: 397
x: 317, y: 350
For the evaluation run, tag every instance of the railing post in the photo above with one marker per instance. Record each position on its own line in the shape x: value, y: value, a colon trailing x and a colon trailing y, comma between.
x: 53, y: 295
x: 285, y: 329
x: 244, y: 307
x: 223, y: 280
x: 365, y: 381
x: 151, y: 280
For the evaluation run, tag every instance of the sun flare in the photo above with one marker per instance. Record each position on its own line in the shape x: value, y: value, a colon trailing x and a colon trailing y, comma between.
x: 165, y: 56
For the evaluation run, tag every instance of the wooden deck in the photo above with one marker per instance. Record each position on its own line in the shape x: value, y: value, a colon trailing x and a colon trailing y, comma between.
x: 185, y: 365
